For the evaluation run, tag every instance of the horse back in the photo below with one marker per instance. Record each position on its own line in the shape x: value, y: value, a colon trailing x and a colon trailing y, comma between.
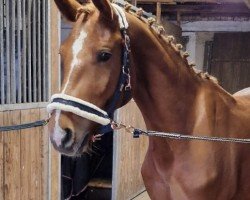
x: 245, y: 93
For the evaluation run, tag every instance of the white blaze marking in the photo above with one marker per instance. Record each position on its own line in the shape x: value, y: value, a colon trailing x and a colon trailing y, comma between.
x: 76, y: 48
x: 59, y: 133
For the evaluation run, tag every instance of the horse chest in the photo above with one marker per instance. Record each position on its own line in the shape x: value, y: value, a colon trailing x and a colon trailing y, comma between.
x: 188, y: 176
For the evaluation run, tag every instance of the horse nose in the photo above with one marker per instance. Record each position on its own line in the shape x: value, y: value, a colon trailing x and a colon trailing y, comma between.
x: 66, y: 140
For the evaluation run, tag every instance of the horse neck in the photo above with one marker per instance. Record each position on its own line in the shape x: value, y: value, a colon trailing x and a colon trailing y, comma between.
x: 164, y: 87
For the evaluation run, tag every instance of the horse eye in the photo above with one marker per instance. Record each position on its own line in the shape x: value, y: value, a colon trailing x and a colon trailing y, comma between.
x: 104, y: 56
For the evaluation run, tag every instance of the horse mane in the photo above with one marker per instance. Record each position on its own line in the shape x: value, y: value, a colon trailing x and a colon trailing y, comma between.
x: 169, y: 40
x: 165, y: 40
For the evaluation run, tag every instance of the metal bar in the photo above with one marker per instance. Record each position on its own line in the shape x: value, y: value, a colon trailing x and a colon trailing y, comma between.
x: 48, y: 35
x: 34, y: 50
x: 2, y: 67
x: 24, y: 54
x: 29, y: 51
x: 44, y: 50
x: 13, y: 53
x: 19, y: 78
x: 7, y: 40
x: 39, y: 73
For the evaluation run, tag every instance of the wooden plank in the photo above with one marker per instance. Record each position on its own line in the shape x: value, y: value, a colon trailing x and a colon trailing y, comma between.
x: 31, y: 157
x: 44, y: 138
x: 12, y: 170
x: 128, y: 158
x: 26, y: 139
x: 35, y: 158
x: 158, y: 12
x: 1, y: 159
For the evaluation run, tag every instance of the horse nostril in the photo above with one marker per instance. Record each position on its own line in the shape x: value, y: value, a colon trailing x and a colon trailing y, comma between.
x: 67, y: 136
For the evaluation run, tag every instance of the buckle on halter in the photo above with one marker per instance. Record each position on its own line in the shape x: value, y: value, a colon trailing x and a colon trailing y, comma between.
x: 128, y: 82
x: 127, y: 42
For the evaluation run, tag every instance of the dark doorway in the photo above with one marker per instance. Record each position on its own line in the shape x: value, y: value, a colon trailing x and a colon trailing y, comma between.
x: 230, y: 60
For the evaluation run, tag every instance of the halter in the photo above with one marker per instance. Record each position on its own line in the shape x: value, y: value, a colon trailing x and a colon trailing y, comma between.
x: 88, y: 110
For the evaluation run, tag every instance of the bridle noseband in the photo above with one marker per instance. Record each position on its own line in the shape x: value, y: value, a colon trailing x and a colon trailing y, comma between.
x: 123, y: 89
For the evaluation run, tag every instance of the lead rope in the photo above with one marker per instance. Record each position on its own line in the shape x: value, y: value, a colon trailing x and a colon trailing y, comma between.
x: 24, y: 126
x: 176, y: 136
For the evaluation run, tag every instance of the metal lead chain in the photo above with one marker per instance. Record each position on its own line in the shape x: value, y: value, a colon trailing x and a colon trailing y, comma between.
x: 177, y: 136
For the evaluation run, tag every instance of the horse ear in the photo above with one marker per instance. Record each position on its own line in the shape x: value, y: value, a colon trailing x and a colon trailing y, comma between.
x: 69, y: 8
x: 104, y: 6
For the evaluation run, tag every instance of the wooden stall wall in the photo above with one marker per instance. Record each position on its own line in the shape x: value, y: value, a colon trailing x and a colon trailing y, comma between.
x: 230, y: 60
x: 29, y: 167
x: 23, y: 157
x: 128, y: 155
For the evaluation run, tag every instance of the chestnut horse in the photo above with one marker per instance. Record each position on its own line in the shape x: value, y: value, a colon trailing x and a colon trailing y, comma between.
x: 171, y: 96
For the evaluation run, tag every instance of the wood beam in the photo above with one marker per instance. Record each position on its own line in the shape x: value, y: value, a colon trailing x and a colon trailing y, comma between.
x: 192, y: 1
x: 134, y: 2
x: 247, y: 2
x: 158, y: 12
x: 235, y: 9
x: 220, y: 8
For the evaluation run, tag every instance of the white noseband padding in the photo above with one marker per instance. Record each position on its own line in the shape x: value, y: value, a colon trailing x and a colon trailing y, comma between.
x: 78, y: 107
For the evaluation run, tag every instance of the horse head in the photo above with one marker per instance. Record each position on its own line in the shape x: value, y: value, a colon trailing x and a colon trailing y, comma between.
x: 91, y: 67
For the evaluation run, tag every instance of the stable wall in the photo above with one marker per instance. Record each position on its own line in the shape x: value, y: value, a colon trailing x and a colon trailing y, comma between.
x: 199, y: 32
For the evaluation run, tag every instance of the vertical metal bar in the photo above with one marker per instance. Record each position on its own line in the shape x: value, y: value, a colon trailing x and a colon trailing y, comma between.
x: 34, y: 50
x: 2, y: 77
x: 7, y: 39
x: 48, y: 57
x: 29, y: 51
x: 24, y: 53
x: 44, y: 49
x: 19, y: 77
x: 39, y: 86
x: 48, y: 49
x: 13, y: 53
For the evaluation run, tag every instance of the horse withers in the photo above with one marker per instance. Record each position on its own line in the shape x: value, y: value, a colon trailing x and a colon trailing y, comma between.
x: 171, y: 95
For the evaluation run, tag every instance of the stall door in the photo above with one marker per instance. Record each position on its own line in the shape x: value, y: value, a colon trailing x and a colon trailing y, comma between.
x: 230, y: 61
